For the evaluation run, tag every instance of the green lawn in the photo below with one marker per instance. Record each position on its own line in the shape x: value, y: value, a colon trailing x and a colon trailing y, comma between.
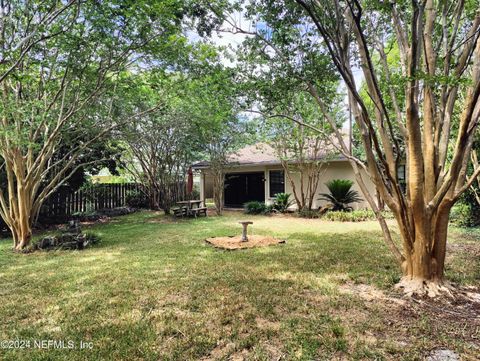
x: 153, y: 289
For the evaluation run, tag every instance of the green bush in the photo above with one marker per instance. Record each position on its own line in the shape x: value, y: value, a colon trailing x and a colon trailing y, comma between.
x: 255, y: 207
x: 195, y: 193
x: 269, y: 209
x: 466, y: 213
x: 136, y: 199
x: 360, y: 215
x: 461, y: 215
x: 282, y: 202
x: 341, y: 194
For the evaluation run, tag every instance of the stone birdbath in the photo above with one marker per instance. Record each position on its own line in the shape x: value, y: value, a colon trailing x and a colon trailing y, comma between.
x: 244, y: 232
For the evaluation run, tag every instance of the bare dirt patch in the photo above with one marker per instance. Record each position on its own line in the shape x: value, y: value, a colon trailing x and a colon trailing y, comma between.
x: 472, y: 249
x: 265, y: 324
x: 369, y: 293
x: 220, y: 352
x: 403, y: 319
x: 235, y: 242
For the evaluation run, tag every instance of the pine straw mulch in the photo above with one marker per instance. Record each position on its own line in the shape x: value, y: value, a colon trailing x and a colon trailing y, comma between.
x: 235, y: 242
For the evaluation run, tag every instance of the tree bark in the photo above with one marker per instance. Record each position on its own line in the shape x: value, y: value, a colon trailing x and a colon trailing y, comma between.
x: 423, y: 268
x: 21, y: 233
x: 218, y: 187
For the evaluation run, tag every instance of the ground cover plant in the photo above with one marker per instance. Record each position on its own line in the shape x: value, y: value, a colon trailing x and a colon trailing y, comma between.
x: 358, y: 215
x: 153, y: 289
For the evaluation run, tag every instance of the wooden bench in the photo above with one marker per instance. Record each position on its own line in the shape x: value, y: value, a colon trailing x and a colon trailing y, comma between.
x: 179, y: 211
x: 198, y: 211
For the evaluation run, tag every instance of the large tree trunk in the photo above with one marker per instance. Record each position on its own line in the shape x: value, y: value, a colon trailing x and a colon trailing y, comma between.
x: 21, y: 225
x: 22, y: 235
x: 20, y: 213
x: 423, y: 268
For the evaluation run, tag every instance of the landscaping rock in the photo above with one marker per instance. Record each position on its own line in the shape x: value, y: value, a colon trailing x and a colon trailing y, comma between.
x: 115, y: 212
x: 73, y: 228
x: 70, y: 238
x: 103, y: 214
x: 47, y: 242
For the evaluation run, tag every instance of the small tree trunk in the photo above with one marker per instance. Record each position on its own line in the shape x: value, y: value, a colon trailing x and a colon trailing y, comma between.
x: 218, y: 186
x: 218, y: 206
x: 441, y: 235
x: 380, y: 202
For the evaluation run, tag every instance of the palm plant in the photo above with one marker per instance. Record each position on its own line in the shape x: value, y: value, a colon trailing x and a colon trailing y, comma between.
x: 282, y: 202
x: 341, y: 194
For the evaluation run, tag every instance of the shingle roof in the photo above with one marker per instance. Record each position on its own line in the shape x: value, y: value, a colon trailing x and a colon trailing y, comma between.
x: 260, y: 153
x: 253, y: 154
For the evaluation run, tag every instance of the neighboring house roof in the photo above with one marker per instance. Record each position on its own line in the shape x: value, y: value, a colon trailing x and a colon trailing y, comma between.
x: 258, y: 154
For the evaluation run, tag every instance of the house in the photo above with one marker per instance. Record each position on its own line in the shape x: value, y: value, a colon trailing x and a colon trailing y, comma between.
x: 256, y: 174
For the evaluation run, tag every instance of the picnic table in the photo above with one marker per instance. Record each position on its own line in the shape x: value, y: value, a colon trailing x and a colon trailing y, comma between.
x: 191, y: 208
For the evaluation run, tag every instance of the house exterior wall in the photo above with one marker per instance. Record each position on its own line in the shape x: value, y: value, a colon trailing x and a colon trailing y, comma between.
x: 208, y: 185
x: 331, y: 170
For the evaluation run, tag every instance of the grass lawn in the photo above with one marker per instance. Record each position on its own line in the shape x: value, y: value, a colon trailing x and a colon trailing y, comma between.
x: 153, y: 289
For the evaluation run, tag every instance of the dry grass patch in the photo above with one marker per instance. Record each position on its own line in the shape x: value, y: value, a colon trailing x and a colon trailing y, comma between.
x: 154, y: 290
x: 235, y: 242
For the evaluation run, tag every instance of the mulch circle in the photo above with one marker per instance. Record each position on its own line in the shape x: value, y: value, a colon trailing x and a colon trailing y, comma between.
x: 235, y: 242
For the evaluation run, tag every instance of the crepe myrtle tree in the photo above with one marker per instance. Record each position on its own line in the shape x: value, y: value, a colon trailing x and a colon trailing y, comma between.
x: 439, y: 50
x: 283, y: 49
x: 161, y: 144
x: 198, y: 120
x: 216, y: 107
x: 302, y: 151
x: 302, y: 155
x: 160, y: 147
x: 274, y: 66
x: 414, y: 117
x: 59, y: 72
x: 230, y: 134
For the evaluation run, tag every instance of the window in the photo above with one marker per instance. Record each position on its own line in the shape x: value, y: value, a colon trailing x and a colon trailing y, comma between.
x: 277, y: 182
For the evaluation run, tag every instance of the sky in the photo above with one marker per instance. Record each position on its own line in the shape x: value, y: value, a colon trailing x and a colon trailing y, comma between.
x: 225, y: 38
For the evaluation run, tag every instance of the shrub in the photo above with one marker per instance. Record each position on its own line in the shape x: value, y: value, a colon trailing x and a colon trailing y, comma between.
x: 282, y: 202
x: 255, y: 207
x: 136, y: 199
x: 461, y: 215
x: 195, y: 194
x: 269, y: 209
x: 466, y: 213
x: 360, y: 215
x: 341, y: 194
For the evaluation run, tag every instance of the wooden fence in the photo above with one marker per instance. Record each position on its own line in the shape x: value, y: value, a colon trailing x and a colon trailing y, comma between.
x: 65, y: 201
